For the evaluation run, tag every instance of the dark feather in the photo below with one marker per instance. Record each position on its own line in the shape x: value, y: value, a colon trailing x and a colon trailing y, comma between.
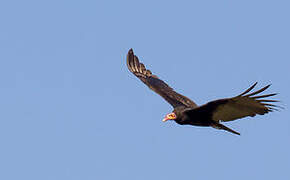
x: 245, y: 105
x: 249, y: 89
x: 240, y: 106
x: 259, y: 91
x: 156, y: 84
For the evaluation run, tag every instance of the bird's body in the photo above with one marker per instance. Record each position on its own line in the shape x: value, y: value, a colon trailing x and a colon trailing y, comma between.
x: 189, y: 116
x: 186, y: 112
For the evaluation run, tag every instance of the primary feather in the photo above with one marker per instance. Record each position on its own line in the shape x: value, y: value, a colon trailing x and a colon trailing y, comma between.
x: 156, y: 84
x: 243, y: 105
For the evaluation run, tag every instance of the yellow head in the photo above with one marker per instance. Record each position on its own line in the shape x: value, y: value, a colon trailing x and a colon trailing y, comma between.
x: 171, y: 116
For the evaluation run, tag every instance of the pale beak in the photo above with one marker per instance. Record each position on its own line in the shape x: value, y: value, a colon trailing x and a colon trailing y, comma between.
x: 165, y: 119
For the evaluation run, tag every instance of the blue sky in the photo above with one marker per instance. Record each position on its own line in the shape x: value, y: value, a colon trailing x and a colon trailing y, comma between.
x: 71, y: 110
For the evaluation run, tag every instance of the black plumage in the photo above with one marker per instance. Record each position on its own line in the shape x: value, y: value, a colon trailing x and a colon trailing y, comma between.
x: 186, y: 112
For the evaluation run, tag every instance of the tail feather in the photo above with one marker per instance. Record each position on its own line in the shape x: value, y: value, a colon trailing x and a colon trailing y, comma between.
x: 220, y: 126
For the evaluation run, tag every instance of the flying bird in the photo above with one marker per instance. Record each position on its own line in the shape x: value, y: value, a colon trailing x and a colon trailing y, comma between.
x: 211, y: 114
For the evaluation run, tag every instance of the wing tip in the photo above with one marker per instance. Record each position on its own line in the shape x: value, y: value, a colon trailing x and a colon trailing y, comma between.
x: 135, y: 66
x: 130, y: 56
x: 130, y: 51
x: 255, y: 92
x: 248, y: 90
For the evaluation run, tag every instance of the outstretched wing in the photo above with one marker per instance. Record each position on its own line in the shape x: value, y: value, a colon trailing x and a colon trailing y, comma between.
x: 243, y: 105
x: 156, y: 84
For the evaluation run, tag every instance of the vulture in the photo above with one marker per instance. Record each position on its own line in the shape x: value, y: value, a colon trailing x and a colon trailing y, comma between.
x: 211, y: 114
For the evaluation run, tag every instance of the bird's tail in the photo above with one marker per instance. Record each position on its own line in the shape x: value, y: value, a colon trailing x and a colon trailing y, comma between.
x: 220, y: 126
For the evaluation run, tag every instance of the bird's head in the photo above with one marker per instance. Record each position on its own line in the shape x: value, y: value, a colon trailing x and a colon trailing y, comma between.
x: 170, y: 116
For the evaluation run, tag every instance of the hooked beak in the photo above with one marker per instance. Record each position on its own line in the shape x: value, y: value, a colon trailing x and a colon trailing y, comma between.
x: 165, y: 119
x: 170, y: 116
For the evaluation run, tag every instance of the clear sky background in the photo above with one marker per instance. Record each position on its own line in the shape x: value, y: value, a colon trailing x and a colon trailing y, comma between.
x: 70, y: 109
